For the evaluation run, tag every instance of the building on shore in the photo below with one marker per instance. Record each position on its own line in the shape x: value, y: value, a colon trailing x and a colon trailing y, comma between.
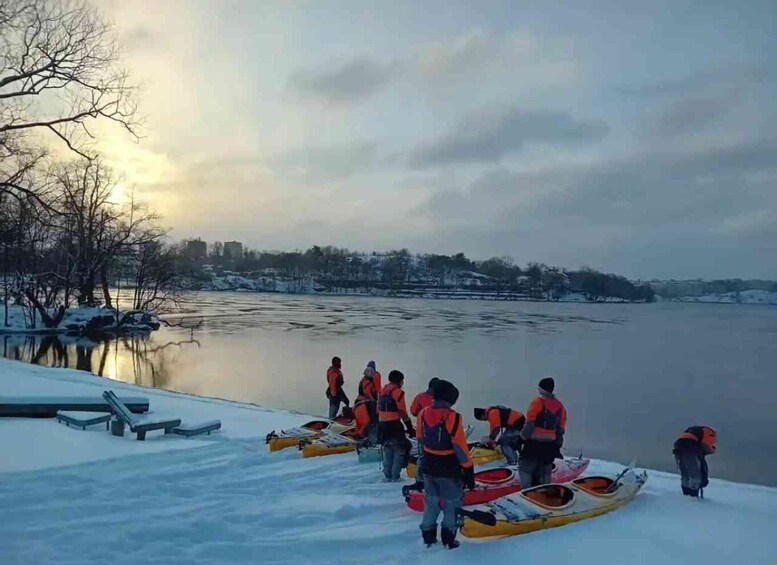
x: 233, y: 250
x: 196, y: 249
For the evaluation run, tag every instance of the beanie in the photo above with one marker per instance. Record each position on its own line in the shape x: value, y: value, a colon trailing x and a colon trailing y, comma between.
x: 396, y: 377
x: 445, y: 391
x: 433, y: 382
x: 480, y: 413
x: 336, y: 362
x: 371, y: 365
x: 547, y: 384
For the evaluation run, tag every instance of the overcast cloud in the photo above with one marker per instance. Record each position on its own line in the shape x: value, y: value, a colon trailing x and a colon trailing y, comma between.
x: 632, y: 137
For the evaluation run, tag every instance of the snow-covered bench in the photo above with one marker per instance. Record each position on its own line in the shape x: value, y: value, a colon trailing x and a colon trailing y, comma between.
x: 188, y: 430
x: 48, y: 406
x: 83, y: 419
x: 137, y: 426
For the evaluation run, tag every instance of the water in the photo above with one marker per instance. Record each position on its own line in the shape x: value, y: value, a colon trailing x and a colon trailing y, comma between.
x: 632, y: 376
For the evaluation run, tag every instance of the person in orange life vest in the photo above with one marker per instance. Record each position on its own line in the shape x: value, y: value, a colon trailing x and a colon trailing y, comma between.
x: 391, y: 413
x: 366, y: 414
x: 367, y: 386
x: 690, y: 451
x: 505, y: 425
x: 423, y: 399
x: 376, y: 376
x: 543, y: 435
x: 334, y: 387
x: 446, y: 464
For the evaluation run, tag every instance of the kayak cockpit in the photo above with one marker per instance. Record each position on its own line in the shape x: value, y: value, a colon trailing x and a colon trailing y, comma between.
x: 550, y: 496
x: 599, y: 486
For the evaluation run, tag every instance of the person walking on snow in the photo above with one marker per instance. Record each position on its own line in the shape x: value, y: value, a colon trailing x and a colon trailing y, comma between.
x: 392, y: 412
x: 505, y: 429
x: 334, y: 387
x: 690, y: 451
x: 446, y: 464
x: 543, y: 435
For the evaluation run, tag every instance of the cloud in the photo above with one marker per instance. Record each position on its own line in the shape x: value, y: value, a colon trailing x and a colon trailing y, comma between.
x: 689, y: 115
x: 703, y: 81
x: 140, y: 38
x: 326, y: 163
x: 489, y: 135
x: 346, y: 84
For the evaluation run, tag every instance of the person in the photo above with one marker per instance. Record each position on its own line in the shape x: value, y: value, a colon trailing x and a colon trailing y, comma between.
x: 392, y: 412
x: 376, y: 375
x: 367, y: 386
x: 446, y: 464
x: 423, y: 399
x: 505, y: 425
x: 543, y: 436
x: 690, y: 451
x: 334, y: 388
x: 366, y: 415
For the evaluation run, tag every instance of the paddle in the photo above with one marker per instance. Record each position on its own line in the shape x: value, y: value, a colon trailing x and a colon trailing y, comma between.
x: 485, y: 518
x: 614, y: 486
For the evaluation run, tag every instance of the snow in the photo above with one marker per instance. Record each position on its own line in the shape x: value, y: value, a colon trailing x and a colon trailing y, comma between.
x: 82, y: 497
x: 752, y: 296
x: 79, y: 316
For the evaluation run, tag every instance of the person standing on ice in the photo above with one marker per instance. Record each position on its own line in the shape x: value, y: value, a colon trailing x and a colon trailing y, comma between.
x: 690, y: 451
x: 334, y: 387
x: 392, y: 412
x: 446, y: 464
x: 505, y: 429
x: 543, y: 435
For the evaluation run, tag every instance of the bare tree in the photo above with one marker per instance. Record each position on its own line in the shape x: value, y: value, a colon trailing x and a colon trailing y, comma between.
x: 59, y: 73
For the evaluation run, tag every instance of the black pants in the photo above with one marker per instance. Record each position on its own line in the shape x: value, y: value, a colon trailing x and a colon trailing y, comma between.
x: 693, y: 471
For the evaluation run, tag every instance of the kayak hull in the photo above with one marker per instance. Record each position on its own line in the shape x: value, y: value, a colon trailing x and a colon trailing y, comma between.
x: 306, y: 432
x: 502, y: 481
x: 519, y: 514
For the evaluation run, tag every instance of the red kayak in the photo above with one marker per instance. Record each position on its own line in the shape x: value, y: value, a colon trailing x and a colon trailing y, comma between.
x: 495, y: 483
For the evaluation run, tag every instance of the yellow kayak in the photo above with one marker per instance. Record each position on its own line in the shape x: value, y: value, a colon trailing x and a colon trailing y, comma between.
x: 306, y: 432
x: 330, y: 444
x: 550, y: 506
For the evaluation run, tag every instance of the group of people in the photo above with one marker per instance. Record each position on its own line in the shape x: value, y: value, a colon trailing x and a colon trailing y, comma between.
x: 532, y: 441
x: 444, y: 465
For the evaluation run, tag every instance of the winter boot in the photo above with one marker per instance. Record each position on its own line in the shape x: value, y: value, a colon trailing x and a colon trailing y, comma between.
x: 430, y: 537
x: 449, y: 538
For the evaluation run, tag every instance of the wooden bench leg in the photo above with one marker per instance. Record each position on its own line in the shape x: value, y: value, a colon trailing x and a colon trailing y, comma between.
x: 142, y: 436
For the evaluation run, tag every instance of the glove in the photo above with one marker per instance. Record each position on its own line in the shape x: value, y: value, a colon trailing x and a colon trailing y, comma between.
x: 468, y: 476
x: 410, y: 429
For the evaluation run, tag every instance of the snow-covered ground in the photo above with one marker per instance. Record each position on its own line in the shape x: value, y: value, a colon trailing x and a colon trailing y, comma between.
x: 19, y: 320
x: 81, y: 497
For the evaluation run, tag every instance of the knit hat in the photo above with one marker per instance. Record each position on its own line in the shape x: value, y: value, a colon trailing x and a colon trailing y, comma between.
x: 396, y: 377
x: 480, y: 413
x: 547, y: 384
x: 369, y: 371
x: 433, y: 382
x: 336, y: 362
x: 446, y: 392
x: 371, y: 365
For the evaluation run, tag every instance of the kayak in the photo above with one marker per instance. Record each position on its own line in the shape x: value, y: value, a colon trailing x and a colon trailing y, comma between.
x: 550, y: 506
x: 311, y: 430
x: 330, y: 444
x: 502, y: 481
x: 480, y: 456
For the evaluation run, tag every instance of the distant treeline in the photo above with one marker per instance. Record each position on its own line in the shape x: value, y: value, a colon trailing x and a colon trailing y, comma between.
x: 400, y: 272
x: 679, y: 289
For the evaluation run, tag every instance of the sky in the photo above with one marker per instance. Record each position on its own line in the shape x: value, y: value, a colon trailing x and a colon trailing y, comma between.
x: 633, y: 137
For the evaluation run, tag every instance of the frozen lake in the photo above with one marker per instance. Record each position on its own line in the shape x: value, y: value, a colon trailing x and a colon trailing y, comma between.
x: 632, y: 376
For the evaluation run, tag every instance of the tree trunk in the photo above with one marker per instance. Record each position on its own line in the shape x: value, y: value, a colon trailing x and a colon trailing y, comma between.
x: 106, y: 289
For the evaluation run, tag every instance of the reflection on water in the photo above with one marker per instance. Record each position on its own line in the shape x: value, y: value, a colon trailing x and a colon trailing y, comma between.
x: 137, y: 359
x: 632, y: 376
